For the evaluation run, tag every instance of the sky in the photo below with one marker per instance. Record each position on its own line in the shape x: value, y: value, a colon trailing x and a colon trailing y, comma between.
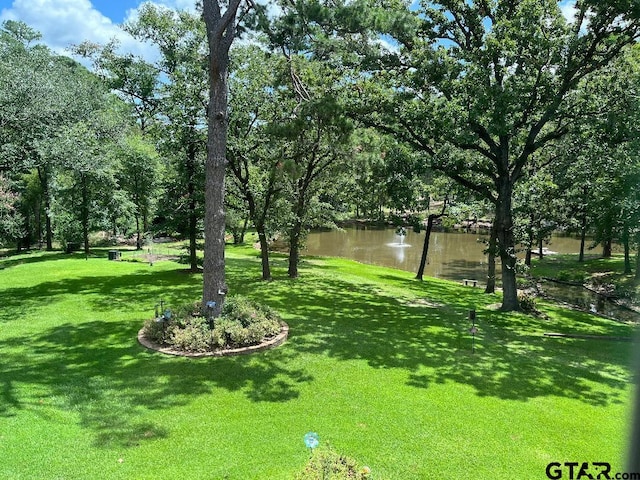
x: 63, y: 23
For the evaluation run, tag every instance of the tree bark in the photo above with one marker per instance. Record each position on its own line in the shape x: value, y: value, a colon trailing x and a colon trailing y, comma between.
x: 583, y: 238
x: 258, y: 223
x: 296, y: 231
x: 138, y: 236
x: 540, y: 248
x: 264, y: 253
x: 527, y: 257
x: 425, y: 248
x: 506, y: 244
x: 491, y: 260
x: 221, y: 30
x: 294, y: 249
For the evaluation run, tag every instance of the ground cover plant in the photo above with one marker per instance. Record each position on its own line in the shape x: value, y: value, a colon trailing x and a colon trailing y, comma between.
x: 191, y: 328
x: 378, y: 364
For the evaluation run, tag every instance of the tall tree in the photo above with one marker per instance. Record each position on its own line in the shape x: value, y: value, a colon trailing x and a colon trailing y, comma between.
x: 497, y: 78
x: 180, y: 101
x: 255, y: 160
x: 536, y: 207
x: 86, y: 172
x: 316, y: 140
x: 221, y: 27
x: 139, y: 176
x: 37, y: 98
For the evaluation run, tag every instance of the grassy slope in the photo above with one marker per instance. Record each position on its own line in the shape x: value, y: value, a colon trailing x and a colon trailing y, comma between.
x: 378, y: 364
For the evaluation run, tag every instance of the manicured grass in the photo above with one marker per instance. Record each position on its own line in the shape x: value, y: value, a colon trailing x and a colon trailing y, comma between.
x: 378, y: 364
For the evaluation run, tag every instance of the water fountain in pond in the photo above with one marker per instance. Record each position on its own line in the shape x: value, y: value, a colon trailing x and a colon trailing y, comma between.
x: 401, y: 233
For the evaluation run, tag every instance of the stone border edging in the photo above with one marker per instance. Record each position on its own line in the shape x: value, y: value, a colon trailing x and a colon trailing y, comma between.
x: 271, y: 343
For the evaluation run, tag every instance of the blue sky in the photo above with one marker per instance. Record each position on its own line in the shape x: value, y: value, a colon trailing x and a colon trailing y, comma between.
x: 116, y: 10
x: 63, y: 23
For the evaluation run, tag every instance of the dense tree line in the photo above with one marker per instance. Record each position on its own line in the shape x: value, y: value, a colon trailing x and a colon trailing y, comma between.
x: 328, y: 110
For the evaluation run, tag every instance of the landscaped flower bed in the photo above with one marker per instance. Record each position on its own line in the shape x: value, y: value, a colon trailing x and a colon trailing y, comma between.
x: 244, y: 326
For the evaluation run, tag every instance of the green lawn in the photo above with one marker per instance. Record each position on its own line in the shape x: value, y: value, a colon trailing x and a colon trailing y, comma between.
x: 378, y: 364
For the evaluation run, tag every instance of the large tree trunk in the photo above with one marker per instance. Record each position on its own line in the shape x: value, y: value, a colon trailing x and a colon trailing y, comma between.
x: 540, y: 247
x: 221, y: 29
x: 138, y: 235
x: 264, y: 253
x: 295, y: 232
x: 583, y: 238
x: 491, y: 260
x: 258, y: 223
x: 506, y: 244
x: 294, y: 248
x: 425, y: 247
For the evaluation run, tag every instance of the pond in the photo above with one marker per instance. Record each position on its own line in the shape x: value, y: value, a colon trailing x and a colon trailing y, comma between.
x: 452, y: 256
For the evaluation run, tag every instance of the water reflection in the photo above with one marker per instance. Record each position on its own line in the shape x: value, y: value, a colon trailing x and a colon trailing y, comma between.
x: 453, y: 256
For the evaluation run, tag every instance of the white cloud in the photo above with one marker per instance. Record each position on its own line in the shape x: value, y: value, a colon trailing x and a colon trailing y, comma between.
x: 569, y: 10
x: 64, y: 23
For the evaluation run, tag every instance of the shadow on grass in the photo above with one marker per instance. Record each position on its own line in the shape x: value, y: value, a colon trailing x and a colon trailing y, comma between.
x: 103, y: 293
x: 425, y: 331
x: 35, y: 256
x: 97, y: 368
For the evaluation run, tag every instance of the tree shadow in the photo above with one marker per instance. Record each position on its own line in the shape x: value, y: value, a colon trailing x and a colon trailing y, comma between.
x: 103, y: 293
x: 97, y: 369
x: 35, y: 256
x: 425, y: 330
